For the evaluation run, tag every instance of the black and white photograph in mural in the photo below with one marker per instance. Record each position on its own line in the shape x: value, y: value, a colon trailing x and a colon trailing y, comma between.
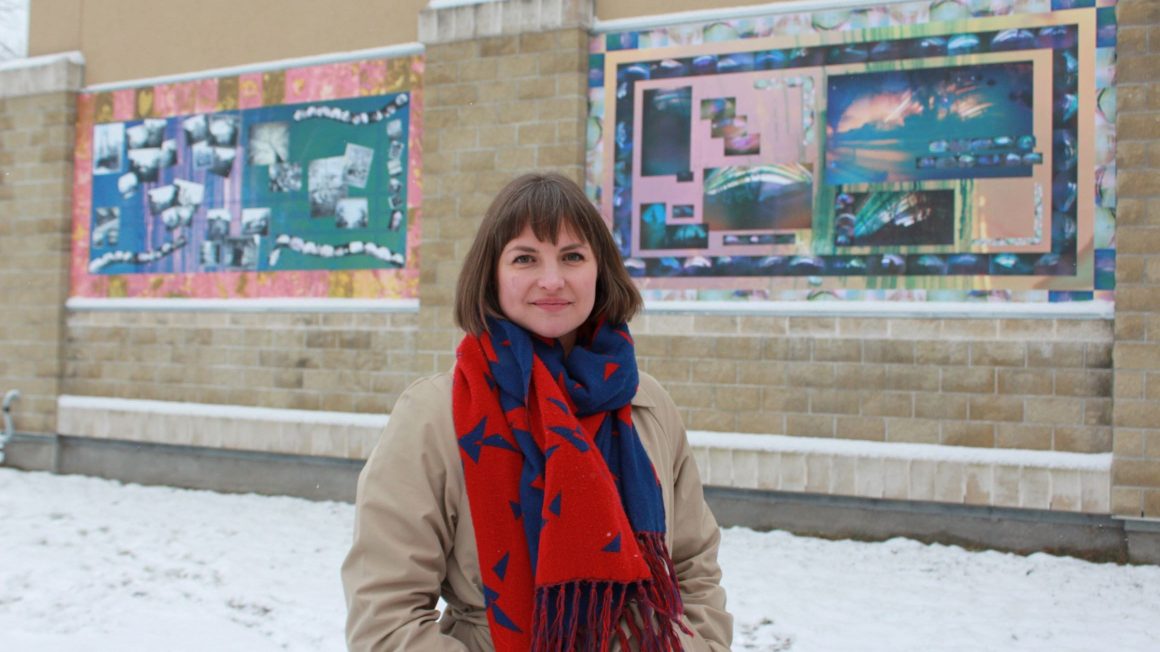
x: 211, y: 253
x: 106, y: 226
x: 285, y: 177
x: 395, y: 157
x: 217, y: 223
x: 223, y: 160
x: 352, y: 213
x: 176, y: 216
x: 269, y: 143
x: 358, y: 165
x: 223, y: 129
x: 145, y: 164
x: 240, y: 252
x: 202, y: 155
x: 396, y: 220
x: 189, y: 193
x: 196, y: 129
x: 255, y: 221
x: 149, y: 134
x: 108, y: 144
x: 326, y: 185
x: 169, y: 153
x: 395, y: 193
x: 161, y: 198
x: 127, y: 184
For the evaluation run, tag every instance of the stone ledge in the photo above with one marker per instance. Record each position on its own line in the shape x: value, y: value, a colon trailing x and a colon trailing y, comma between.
x: 445, y: 22
x: 227, y: 427
x: 1045, y: 480
x: 40, y: 75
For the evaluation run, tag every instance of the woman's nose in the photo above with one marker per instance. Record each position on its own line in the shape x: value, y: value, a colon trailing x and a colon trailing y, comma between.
x: 551, y: 279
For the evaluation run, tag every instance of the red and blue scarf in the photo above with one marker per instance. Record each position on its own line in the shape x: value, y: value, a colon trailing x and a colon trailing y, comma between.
x: 568, y: 511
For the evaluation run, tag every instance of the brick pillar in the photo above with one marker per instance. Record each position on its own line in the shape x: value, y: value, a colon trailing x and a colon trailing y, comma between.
x: 504, y: 93
x: 1136, y: 414
x: 37, y: 128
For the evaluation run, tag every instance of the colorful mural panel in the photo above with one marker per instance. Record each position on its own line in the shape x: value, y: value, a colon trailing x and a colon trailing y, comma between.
x: 916, y: 151
x: 291, y: 183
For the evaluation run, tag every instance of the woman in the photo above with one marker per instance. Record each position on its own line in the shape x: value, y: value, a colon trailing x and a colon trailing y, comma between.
x: 545, y: 489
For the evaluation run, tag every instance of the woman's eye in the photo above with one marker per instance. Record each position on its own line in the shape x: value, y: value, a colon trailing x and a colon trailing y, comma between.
x: 574, y: 257
x: 522, y: 259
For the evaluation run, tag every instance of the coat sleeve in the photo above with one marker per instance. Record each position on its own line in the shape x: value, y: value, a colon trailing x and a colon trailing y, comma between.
x: 404, y: 531
x: 696, y: 539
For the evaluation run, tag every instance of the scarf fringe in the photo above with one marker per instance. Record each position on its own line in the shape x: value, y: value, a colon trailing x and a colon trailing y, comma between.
x: 558, y: 624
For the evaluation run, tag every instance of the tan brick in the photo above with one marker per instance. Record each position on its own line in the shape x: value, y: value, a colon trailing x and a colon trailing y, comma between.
x: 807, y: 374
x: 1129, y: 443
x: 1083, y: 383
x: 713, y: 420
x: 785, y: 399
x: 1055, y: 354
x: 888, y: 351
x: 762, y: 325
x: 499, y: 46
x: 998, y: 354
x: 935, y: 352
x: 737, y: 399
x: 538, y: 133
x: 739, y: 348
x: 1097, y: 412
x: 940, y: 406
x: 760, y: 373
x: 1136, y: 473
x: 863, y: 327
x: 864, y: 428
x: 968, y: 433
x: 1151, y: 503
x: 1019, y: 435
x: 1083, y: 439
x: 1026, y: 381
x: 1098, y: 355
x: 975, y: 380
x: 824, y: 401
x: 809, y: 425
x: 888, y: 404
x: 1136, y: 414
x: 971, y: 329
x: 715, y: 324
x: 916, y: 431
x: 837, y: 350
x: 995, y: 408
x: 788, y: 348
x: 900, y: 377
x: 768, y: 423
x: 1053, y: 410
x: 1127, y: 501
x: 812, y: 325
x: 690, y: 396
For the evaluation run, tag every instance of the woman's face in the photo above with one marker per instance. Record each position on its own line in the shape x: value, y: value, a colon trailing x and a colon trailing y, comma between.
x: 549, y: 289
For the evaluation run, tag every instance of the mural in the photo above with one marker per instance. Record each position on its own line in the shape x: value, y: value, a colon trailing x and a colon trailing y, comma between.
x: 291, y: 183
x: 945, y: 150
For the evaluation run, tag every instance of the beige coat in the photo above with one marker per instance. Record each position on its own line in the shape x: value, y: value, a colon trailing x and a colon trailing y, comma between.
x: 414, y: 540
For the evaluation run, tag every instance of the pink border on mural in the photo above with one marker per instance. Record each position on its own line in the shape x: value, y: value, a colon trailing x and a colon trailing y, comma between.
x: 307, y: 84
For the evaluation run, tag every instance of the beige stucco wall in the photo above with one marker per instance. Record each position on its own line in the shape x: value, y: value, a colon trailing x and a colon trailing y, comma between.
x: 133, y: 39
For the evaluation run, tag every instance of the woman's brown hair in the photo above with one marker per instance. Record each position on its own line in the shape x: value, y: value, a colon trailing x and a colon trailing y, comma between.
x: 544, y: 202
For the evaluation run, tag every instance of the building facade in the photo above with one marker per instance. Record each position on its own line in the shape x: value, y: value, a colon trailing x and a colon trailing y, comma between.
x: 1005, y: 406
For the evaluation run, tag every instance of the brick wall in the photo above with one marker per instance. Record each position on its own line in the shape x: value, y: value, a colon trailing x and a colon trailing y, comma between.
x: 1136, y: 415
x: 37, y: 125
x: 993, y: 383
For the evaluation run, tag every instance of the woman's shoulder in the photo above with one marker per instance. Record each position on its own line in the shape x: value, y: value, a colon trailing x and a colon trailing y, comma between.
x: 650, y: 393
x: 433, y: 390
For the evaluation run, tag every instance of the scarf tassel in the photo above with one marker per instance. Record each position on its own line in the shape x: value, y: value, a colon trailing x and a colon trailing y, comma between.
x: 558, y: 624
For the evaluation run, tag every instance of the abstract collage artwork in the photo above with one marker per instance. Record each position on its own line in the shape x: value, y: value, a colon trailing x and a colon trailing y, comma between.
x: 290, y: 183
x: 934, y: 150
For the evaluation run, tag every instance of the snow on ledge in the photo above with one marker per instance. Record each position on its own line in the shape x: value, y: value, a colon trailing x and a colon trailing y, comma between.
x: 244, y: 305
x: 725, y: 13
x: 44, y: 60
x: 1101, y: 462
x: 219, y: 411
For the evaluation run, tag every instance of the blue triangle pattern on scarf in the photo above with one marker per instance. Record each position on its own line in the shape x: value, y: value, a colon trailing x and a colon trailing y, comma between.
x: 500, y: 568
x: 613, y: 546
x: 473, y: 441
x: 490, y: 597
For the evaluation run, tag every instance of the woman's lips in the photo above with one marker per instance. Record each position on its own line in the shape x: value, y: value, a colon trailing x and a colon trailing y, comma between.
x: 552, y: 305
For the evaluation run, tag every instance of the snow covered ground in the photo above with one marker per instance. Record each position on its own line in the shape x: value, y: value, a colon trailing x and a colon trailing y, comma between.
x: 93, y: 564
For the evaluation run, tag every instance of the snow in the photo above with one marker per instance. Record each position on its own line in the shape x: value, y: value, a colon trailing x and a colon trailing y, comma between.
x: 94, y: 564
x: 1062, y: 460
